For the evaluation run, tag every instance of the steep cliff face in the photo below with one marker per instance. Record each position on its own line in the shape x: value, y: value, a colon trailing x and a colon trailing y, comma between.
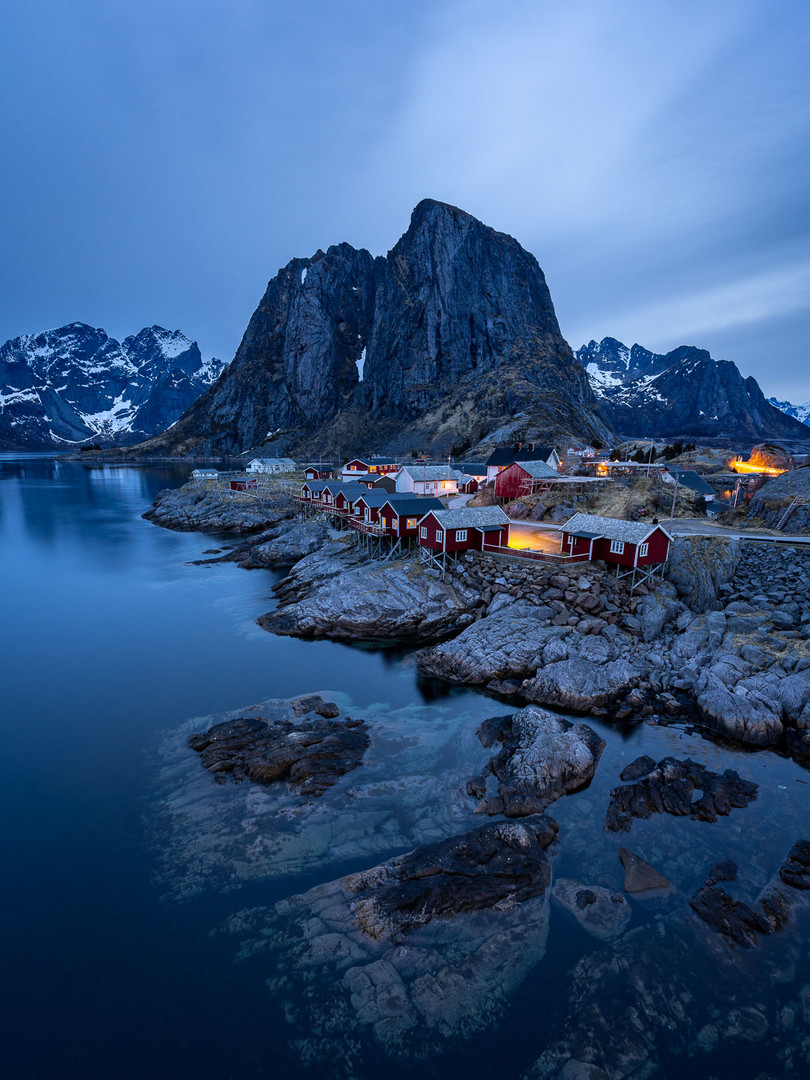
x: 76, y: 384
x: 683, y: 392
x: 450, y: 341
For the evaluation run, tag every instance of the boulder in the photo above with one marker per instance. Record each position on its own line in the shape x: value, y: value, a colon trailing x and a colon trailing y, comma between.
x: 581, y: 685
x: 698, y: 566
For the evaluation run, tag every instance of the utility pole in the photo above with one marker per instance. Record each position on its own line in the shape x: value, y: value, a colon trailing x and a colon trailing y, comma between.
x: 674, y: 497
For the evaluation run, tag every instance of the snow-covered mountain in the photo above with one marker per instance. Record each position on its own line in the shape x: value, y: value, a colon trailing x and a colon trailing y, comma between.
x: 798, y: 412
x: 76, y: 384
x: 683, y: 392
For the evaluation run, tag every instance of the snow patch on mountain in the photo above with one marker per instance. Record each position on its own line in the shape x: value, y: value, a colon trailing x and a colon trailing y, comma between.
x: 798, y: 412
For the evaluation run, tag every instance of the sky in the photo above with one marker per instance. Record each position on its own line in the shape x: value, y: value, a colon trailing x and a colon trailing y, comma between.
x: 162, y: 159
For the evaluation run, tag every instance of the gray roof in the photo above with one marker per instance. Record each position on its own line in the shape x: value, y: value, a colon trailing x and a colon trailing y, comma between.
x: 272, y: 460
x: 431, y: 472
x: 471, y: 517
x: 539, y: 470
x: 334, y: 487
x: 314, y: 485
x: 407, y: 505
x: 472, y: 468
x: 688, y: 478
x: 592, y: 527
x: 380, y: 498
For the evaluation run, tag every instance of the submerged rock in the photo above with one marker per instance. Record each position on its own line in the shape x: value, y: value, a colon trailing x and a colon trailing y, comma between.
x: 542, y: 757
x: 640, y: 877
x: 602, y: 912
x: 670, y: 788
x: 426, y: 946
x: 310, y: 753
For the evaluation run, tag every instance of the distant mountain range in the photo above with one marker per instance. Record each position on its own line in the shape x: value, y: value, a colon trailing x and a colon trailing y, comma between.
x: 798, y: 412
x: 681, y: 393
x: 449, y: 344
x: 76, y: 384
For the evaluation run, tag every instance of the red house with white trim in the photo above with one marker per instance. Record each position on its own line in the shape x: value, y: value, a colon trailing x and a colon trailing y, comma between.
x: 642, y: 545
x: 400, y: 514
x: 465, y: 529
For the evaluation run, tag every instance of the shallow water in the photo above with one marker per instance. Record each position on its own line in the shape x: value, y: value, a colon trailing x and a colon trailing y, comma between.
x: 110, y: 643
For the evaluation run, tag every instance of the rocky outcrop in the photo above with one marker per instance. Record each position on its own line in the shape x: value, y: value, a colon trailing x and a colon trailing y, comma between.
x: 448, y: 342
x: 699, y: 566
x: 773, y: 502
x: 682, y: 393
x: 671, y: 788
x: 328, y: 595
x: 291, y: 544
x: 199, y: 508
x: 309, y: 754
x: 76, y: 384
x: 420, y: 949
x: 542, y: 758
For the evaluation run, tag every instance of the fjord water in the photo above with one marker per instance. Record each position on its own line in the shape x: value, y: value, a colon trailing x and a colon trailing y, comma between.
x: 110, y: 637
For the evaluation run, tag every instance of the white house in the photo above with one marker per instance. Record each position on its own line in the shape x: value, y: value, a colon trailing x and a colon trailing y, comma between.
x: 428, y: 479
x: 270, y: 465
x: 204, y: 474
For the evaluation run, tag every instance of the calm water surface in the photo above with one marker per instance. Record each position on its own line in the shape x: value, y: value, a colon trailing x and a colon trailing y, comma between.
x: 109, y: 638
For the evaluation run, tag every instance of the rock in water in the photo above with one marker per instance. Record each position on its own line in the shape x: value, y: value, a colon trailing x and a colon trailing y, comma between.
x: 310, y: 754
x: 670, y: 788
x: 455, y: 323
x: 424, y: 947
x: 600, y: 911
x: 542, y: 757
x: 640, y: 877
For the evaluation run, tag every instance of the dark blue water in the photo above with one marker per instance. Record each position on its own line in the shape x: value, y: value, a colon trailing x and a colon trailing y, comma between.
x: 108, y: 638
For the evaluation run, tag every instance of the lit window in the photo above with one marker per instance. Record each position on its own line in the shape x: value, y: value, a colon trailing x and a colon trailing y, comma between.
x: 423, y: 533
x: 461, y: 535
x: 642, y: 551
x: 617, y: 547
x: 410, y: 523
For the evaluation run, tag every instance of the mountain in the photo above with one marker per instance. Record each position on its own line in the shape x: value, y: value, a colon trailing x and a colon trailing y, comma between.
x: 681, y: 393
x: 76, y: 384
x: 448, y: 343
x: 798, y: 412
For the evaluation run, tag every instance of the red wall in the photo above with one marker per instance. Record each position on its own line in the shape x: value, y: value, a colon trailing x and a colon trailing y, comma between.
x: 475, y: 538
x: 658, y: 550
x: 510, y: 483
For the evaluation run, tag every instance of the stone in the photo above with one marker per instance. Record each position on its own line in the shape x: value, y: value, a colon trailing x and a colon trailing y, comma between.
x: 638, y: 768
x: 640, y: 878
x: 602, y: 912
x: 671, y: 787
x: 309, y: 754
x: 542, y: 758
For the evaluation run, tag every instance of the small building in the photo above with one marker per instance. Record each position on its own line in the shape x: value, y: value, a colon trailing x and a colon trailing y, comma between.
x: 369, y: 503
x: 344, y: 498
x: 320, y: 470
x: 243, y: 483
x: 428, y: 480
x: 477, y: 469
x: 271, y: 465
x: 400, y: 515
x: 468, y: 485
x: 636, y: 546
x: 505, y: 456
x: 358, y: 467
x: 198, y: 475
x: 447, y: 532
x: 312, y: 490
x: 520, y: 478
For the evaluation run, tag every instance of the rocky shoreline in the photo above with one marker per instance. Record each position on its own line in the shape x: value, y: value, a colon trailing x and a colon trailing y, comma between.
x: 723, y: 642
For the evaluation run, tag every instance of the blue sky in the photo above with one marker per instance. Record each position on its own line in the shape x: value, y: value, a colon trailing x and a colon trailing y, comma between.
x: 161, y: 160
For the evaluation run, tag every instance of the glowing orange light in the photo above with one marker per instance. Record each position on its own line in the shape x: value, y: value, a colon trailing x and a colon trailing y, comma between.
x: 755, y: 464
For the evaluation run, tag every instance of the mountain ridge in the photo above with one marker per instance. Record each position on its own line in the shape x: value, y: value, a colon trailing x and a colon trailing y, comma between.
x: 75, y: 384
x: 684, y: 392
x: 453, y: 332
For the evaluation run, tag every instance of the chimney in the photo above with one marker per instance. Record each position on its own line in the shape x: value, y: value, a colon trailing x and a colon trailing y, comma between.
x: 655, y: 521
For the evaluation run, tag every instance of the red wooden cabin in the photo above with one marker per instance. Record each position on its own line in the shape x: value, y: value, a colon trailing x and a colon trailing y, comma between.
x: 319, y: 472
x: 466, y: 529
x: 517, y: 479
x: 631, y: 544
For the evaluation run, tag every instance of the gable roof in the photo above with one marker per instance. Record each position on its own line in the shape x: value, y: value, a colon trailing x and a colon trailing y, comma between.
x: 334, y: 487
x: 430, y: 473
x: 538, y: 470
x: 272, y: 461
x: 688, y: 478
x: 471, y: 468
x: 380, y: 498
x: 314, y: 485
x: 505, y: 455
x: 472, y: 517
x: 594, y: 527
x: 413, y: 505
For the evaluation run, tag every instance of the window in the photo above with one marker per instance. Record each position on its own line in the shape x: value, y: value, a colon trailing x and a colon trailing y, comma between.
x: 439, y: 536
x: 617, y: 547
x: 410, y: 523
x: 461, y: 535
x: 423, y: 533
x: 642, y: 551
